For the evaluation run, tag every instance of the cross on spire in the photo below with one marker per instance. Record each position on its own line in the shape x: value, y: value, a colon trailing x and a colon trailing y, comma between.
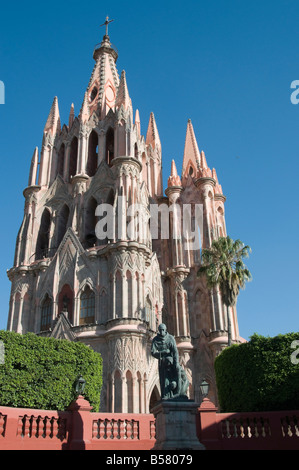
x: 106, y: 24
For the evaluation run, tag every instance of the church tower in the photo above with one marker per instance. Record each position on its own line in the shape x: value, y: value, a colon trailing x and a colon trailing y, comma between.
x: 87, y: 266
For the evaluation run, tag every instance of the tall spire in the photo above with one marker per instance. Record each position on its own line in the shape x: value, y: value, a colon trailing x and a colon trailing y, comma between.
x: 152, y: 135
x: 33, y: 168
x: 191, y: 151
x: 85, y: 112
x: 104, y: 81
x: 53, y: 124
x: 123, y: 97
x: 137, y: 122
x: 71, y: 116
x: 174, y: 179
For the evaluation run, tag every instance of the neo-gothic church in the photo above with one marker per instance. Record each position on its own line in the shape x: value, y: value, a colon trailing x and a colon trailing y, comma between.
x: 111, y: 293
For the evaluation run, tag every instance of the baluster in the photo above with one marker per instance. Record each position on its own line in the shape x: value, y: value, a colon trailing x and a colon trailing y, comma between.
x: 267, y: 427
x: 296, y: 428
x: 34, y: 426
x: 47, y: 427
x: 230, y: 428
x: 61, y: 434
x: 284, y: 427
x: 111, y: 423
x: 132, y: 428
x: 26, y: 426
x: 95, y: 429
x: 152, y: 430
x: 135, y: 429
x: 242, y: 434
x: 102, y: 434
x: 117, y: 429
x: 20, y: 429
x: 248, y: 428
x: 254, y: 432
x: 121, y: 430
x: 2, y: 424
x: 236, y: 423
x: 54, y: 427
x: 125, y: 429
x: 259, y: 427
x: 290, y: 434
x: 106, y: 422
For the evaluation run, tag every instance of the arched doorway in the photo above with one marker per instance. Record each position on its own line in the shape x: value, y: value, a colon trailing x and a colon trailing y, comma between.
x: 155, y: 398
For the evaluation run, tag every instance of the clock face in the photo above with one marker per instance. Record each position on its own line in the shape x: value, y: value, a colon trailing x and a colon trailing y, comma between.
x: 110, y: 94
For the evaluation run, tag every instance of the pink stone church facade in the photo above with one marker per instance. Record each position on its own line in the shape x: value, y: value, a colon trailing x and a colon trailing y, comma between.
x: 112, y: 293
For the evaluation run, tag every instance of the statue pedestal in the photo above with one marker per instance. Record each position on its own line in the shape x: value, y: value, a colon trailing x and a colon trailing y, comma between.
x: 176, y: 425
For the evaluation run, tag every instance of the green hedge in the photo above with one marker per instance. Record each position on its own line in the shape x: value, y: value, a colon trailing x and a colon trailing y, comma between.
x: 41, y: 372
x: 261, y: 375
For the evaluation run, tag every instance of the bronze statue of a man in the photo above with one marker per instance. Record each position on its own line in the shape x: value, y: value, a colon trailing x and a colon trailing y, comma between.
x: 173, y: 379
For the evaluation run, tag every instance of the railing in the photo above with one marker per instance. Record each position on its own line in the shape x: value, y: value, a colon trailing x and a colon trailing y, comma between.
x: 22, y: 428
x: 79, y: 428
x: 123, y: 431
x: 76, y: 428
x: 253, y: 430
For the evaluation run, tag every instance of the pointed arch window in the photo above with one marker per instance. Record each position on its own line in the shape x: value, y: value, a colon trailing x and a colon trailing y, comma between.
x: 109, y: 154
x: 87, y: 306
x: 90, y: 223
x: 60, y: 162
x: 73, y: 158
x: 66, y: 301
x: 92, y: 159
x: 62, y: 223
x: 148, y: 309
x: 43, y: 238
x: 46, y: 313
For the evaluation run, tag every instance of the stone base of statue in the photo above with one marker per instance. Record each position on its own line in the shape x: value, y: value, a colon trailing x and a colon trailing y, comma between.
x: 176, y: 425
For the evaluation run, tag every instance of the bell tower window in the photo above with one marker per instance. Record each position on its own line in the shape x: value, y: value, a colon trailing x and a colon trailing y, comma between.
x: 46, y: 313
x: 60, y: 163
x: 43, y: 238
x: 73, y: 158
x: 109, y: 146
x: 92, y: 160
x: 87, y: 306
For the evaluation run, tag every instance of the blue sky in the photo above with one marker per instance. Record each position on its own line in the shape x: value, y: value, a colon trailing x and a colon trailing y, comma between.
x: 226, y: 65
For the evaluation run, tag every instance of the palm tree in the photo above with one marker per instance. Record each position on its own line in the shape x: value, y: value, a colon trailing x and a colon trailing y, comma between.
x: 224, y: 267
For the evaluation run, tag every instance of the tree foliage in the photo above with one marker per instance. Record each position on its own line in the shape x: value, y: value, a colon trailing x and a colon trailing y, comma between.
x: 261, y: 375
x: 41, y: 372
x: 223, y: 265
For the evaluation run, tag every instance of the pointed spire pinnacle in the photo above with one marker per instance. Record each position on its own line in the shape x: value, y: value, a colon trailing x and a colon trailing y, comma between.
x: 85, y: 113
x: 152, y: 135
x: 123, y: 97
x: 137, y: 122
x: 53, y: 124
x: 191, y: 151
x: 174, y: 179
x: 203, y: 162
x: 33, y: 168
x: 173, y: 169
x: 72, y: 115
x: 218, y: 187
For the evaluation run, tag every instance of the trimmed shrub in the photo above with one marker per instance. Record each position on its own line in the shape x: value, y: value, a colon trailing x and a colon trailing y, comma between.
x: 41, y: 372
x: 261, y: 375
